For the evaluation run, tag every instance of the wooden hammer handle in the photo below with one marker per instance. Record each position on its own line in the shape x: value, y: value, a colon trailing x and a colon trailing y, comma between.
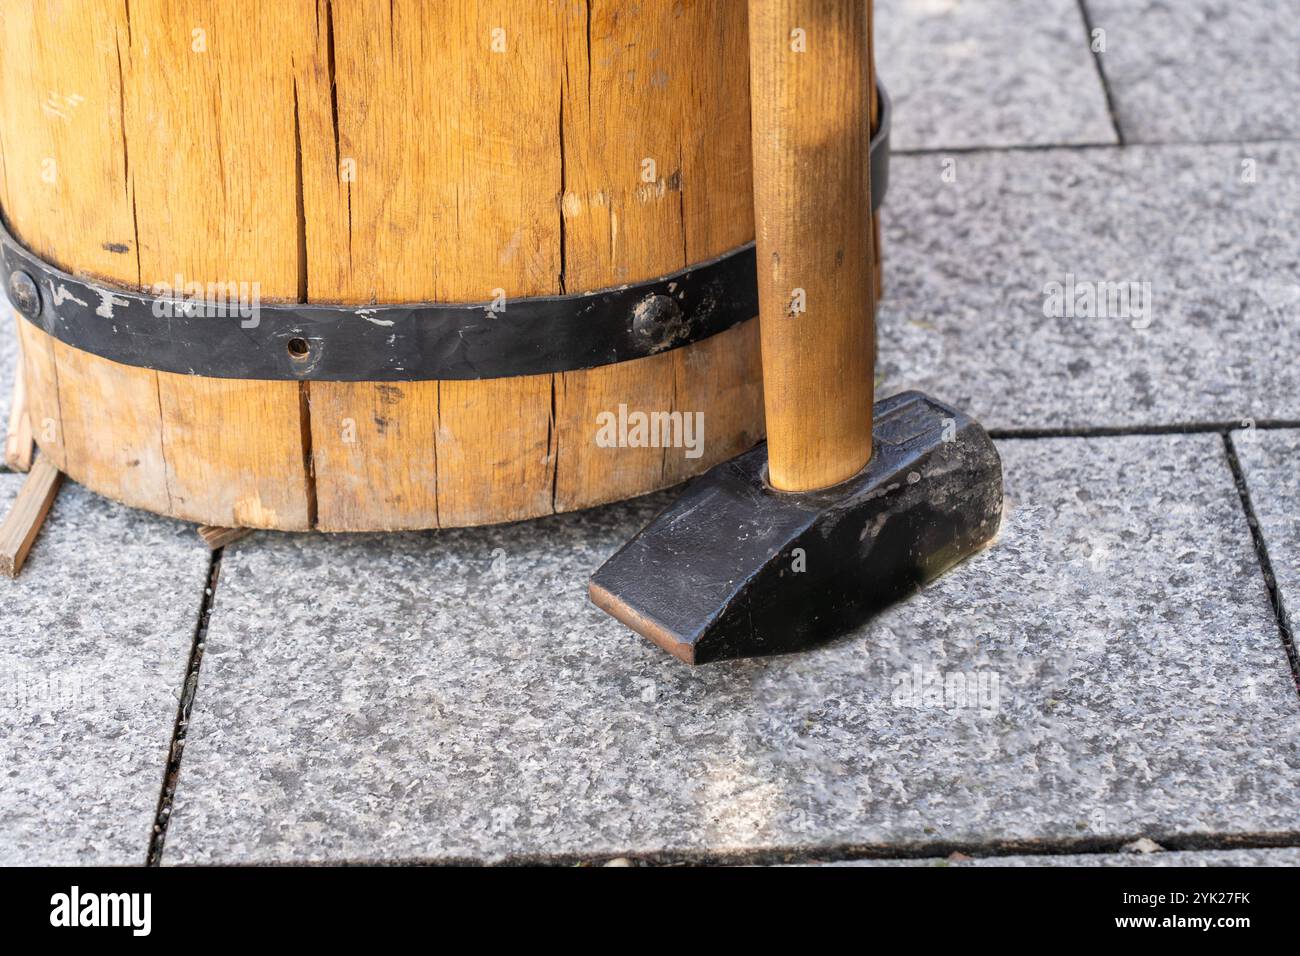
x: 811, y: 88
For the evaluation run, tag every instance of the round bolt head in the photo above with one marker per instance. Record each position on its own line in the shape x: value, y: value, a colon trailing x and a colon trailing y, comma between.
x: 24, y: 294
x: 658, y: 323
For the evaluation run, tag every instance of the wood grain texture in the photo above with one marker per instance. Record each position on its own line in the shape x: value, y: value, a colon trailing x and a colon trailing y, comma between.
x: 66, y: 189
x: 412, y: 194
x: 144, y: 142
x: 810, y: 107
x: 263, y: 426
x: 878, y: 264
x: 495, y: 450
x: 656, y: 175
x: 722, y: 378
x: 41, y: 378
x: 226, y: 208
x: 363, y: 151
x: 101, y: 400
x: 26, y: 515
x: 19, y: 444
x: 374, y: 455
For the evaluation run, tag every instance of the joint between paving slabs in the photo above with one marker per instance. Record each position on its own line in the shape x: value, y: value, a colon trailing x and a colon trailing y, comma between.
x: 1168, y: 842
x: 938, y: 850
x: 184, y: 706
x: 987, y: 150
x: 1088, y: 27
x: 1265, y: 562
x: 1119, y: 431
x: 1224, y: 431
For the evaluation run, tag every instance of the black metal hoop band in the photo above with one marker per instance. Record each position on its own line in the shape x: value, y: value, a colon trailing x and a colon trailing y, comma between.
x: 221, y: 331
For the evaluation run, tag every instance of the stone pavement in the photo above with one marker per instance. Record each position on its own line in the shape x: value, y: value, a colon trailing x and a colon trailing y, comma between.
x: 1118, y: 665
x: 1213, y: 263
x: 94, y: 638
x: 993, y: 73
x: 1201, y: 71
x: 483, y: 719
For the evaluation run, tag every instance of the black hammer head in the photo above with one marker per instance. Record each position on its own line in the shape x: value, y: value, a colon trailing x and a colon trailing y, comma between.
x: 738, y: 569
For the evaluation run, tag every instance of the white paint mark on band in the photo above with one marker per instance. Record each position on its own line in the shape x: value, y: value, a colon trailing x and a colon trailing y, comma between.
x: 62, y: 295
x: 106, y: 302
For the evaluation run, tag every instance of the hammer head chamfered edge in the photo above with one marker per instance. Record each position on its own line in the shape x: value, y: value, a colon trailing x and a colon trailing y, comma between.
x: 735, y: 568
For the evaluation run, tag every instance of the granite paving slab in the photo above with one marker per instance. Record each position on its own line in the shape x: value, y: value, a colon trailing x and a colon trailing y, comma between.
x: 1283, y: 856
x: 95, y: 634
x: 1270, y: 461
x: 1202, y: 70
x: 1109, y: 669
x: 992, y: 73
x: 1126, y: 287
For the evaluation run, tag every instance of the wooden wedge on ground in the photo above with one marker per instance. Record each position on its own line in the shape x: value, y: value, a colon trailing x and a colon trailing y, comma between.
x: 215, y: 537
x: 25, y: 518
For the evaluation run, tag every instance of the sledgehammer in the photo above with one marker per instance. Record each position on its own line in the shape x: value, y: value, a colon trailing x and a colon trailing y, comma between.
x: 847, y: 508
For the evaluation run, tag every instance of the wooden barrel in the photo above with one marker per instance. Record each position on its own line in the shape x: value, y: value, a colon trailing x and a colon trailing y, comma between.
x: 377, y: 151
